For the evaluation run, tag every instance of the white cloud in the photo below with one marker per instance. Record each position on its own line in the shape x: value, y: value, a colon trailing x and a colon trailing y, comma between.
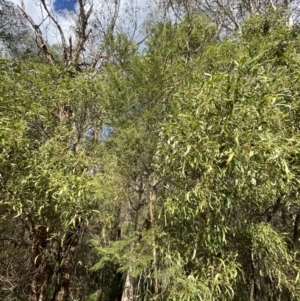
x: 38, y: 14
x: 132, y: 16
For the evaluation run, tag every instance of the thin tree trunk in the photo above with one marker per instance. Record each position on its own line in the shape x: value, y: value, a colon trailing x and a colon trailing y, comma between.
x: 40, y: 280
x: 66, y: 270
x: 128, y: 288
x: 62, y: 285
x: 252, y: 280
x: 39, y: 287
x: 153, y: 198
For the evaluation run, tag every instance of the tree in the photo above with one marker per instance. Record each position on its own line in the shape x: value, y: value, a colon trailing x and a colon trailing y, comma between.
x: 210, y: 134
x: 16, y: 36
x: 93, y: 28
x: 50, y: 127
x: 227, y: 151
x: 139, y: 90
x: 155, y: 155
x: 229, y: 15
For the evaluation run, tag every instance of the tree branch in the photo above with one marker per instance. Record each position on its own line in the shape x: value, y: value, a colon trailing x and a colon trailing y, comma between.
x: 42, y: 44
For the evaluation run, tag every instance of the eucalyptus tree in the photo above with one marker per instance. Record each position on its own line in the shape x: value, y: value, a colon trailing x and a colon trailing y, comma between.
x: 16, y: 36
x: 83, y: 32
x: 229, y: 15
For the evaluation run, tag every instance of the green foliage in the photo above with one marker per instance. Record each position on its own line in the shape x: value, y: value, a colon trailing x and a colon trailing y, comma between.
x: 46, y: 177
x: 193, y: 193
x: 207, y: 149
x: 51, y: 156
x: 228, y: 151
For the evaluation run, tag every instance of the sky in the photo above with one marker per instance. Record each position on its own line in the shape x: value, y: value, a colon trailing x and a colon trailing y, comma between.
x: 129, y: 10
x: 58, y: 5
x: 33, y: 9
x: 64, y: 4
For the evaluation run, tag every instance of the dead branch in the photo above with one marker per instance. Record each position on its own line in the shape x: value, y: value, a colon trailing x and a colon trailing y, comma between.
x: 62, y: 36
x: 81, y: 32
x: 41, y: 42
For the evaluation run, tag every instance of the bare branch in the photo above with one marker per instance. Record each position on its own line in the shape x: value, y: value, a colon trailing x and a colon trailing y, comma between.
x: 81, y: 31
x: 41, y: 42
x: 62, y: 36
x: 115, y: 16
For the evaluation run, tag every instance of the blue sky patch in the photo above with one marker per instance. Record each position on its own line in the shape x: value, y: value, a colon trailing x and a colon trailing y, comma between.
x: 64, y: 4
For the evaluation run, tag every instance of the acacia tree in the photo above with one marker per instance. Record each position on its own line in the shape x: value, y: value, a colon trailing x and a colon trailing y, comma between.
x: 50, y: 161
x: 159, y: 153
x: 229, y: 150
x: 139, y: 90
x: 208, y: 205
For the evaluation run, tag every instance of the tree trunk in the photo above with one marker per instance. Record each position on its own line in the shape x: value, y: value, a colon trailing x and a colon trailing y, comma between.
x: 128, y: 288
x: 62, y: 285
x: 39, y: 287
x: 67, y: 265
x: 40, y: 270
